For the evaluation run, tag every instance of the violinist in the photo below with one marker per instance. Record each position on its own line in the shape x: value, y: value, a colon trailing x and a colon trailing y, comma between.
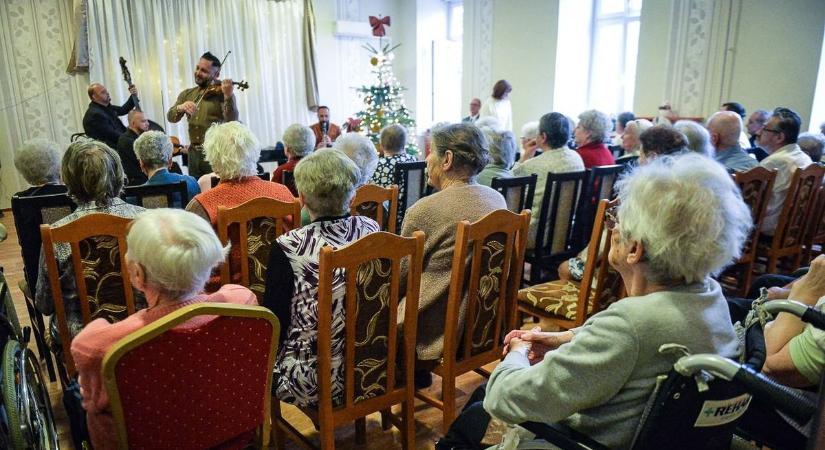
x: 101, y: 119
x: 211, y: 101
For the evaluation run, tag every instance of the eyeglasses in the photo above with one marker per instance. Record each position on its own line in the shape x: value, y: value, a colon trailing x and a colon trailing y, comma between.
x: 610, y: 218
x: 770, y: 130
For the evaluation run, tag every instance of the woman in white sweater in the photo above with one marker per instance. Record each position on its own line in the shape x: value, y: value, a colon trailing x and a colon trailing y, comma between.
x: 498, y: 105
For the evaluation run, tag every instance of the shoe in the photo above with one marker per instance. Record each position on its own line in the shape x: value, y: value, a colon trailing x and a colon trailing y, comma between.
x: 422, y: 378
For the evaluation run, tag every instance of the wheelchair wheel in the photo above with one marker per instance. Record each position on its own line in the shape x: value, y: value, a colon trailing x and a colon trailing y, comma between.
x: 26, y: 401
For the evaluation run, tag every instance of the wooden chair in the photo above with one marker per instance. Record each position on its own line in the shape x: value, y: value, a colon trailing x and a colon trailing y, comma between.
x: 261, y: 221
x: 372, y: 381
x: 558, y: 233
x: 815, y: 237
x: 600, y: 182
x: 98, y: 257
x: 369, y: 201
x: 158, y: 195
x: 411, y: 179
x: 569, y: 304
x: 473, y: 328
x: 793, y: 220
x: 157, y: 402
x: 518, y: 192
x: 29, y: 214
x: 756, y: 185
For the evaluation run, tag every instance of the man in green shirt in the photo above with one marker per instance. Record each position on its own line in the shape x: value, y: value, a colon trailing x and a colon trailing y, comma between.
x: 209, y: 102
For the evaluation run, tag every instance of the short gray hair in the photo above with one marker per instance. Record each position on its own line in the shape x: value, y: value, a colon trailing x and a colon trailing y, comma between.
x: 812, y: 144
x: 361, y: 151
x: 153, y: 149
x: 697, y: 136
x: 38, y: 160
x: 327, y: 178
x: 530, y: 130
x: 393, y: 138
x: 92, y: 172
x: 299, y: 139
x: 502, y: 146
x: 471, y: 151
x: 483, y: 121
x: 177, y: 250
x: 597, y: 123
x: 232, y: 150
x: 688, y: 214
x: 640, y: 126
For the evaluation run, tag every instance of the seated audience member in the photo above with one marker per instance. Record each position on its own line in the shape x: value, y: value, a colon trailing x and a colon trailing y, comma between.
x: 361, y: 151
x: 661, y: 140
x: 630, y: 138
x: 326, y: 182
x: 475, y: 107
x: 724, y: 128
x: 554, y: 131
x: 593, y: 129
x: 393, y: 144
x: 94, y: 178
x: 756, y: 121
x: 233, y: 152
x: 154, y: 153
x: 560, y: 376
x: 38, y: 161
x: 299, y: 141
x: 459, y: 153
x: 697, y: 136
x: 529, y: 132
x: 812, y: 144
x: 778, y: 137
x: 125, y: 147
x: 502, y: 146
x: 171, y: 253
x: 737, y: 108
x: 621, y: 126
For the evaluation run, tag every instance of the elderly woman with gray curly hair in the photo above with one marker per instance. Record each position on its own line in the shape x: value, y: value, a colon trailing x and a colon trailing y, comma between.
x: 591, y: 132
x: 502, y: 146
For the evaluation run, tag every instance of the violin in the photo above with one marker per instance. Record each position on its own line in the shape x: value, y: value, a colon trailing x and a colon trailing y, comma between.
x: 215, y: 88
x: 127, y: 77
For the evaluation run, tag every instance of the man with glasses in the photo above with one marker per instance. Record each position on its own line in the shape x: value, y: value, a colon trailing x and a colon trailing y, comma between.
x: 778, y: 137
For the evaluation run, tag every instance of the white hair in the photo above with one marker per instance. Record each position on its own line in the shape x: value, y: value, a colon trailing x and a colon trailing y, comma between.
x: 299, y: 139
x: 502, y: 146
x: 327, y: 178
x: 484, y: 121
x: 38, y: 160
x: 361, y: 151
x: 232, y: 150
x: 813, y: 144
x: 153, y: 149
x: 697, y: 136
x: 530, y: 130
x: 597, y: 124
x: 640, y: 126
x: 177, y: 250
x: 688, y: 214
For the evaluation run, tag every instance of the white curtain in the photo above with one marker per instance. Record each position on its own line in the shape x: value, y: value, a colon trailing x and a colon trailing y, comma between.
x: 162, y: 41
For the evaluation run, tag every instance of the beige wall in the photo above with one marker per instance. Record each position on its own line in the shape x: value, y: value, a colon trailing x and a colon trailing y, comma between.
x: 651, y: 66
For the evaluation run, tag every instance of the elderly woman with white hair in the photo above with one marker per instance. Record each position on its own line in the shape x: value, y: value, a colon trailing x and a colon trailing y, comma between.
x: 590, y: 134
x: 362, y: 152
x: 38, y: 160
x: 812, y: 144
x: 94, y: 178
x: 681, y: 221
x: 154, y: 154
x: 326, y: 181
x: 698, y: 138
x: 233, y: 151
x: 171, y: 254
x: 299, y: 141
x: 631, y: 144
x: 502, y: 146
x: 529, y: 133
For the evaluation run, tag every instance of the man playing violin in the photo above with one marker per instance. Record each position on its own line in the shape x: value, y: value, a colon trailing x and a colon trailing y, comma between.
x: 101, y: 119
x: 209, y: 102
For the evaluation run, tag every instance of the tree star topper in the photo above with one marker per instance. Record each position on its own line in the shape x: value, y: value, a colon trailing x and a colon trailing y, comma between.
x: 378, y: 25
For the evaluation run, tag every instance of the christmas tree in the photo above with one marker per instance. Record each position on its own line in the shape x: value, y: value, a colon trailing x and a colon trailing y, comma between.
x: 383, y: 99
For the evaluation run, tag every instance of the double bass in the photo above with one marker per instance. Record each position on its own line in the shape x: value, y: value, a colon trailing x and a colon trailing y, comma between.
x: 127, y: 77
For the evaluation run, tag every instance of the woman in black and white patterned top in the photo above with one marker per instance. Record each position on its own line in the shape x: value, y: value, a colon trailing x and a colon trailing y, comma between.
x: 326, y: 182
x: 393, y: 143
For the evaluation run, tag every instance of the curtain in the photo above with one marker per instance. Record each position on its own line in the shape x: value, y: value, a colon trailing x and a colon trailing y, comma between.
x: 79, y: 57
x: 309, y: 56
x: 162, y: 41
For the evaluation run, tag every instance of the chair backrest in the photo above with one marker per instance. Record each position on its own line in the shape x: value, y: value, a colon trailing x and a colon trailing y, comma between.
x: 289, y: 181
x: 600, y: 182
x: 798, y: 206
x: 518, y: 192
x: 372, y: 268
x: 221, y: 371
x: 171, y: 195
x: 486, y: 271
x: 260, y: 220
x: 756, y: 185
x: 558, y: 232
x: 370, y: 201
x: 98, y: 257
x: 29, y: 214
x: 411, y: 179
x: 616, y: 150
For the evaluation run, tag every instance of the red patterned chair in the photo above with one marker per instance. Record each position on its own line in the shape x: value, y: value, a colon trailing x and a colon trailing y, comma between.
x: 207, y: 387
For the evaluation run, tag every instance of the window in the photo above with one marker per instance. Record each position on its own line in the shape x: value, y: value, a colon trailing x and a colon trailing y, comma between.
x: 596, y: 55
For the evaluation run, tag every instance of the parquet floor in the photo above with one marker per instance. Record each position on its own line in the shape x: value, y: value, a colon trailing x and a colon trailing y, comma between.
x: 428, y: 419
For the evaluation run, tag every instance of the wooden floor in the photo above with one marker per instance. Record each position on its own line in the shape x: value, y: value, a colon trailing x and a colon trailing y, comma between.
x: 428, y: 419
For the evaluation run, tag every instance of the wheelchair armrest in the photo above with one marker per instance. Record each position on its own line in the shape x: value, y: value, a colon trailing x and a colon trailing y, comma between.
x: 785, y: 399
x: 562, y: 436
x: 806, y: 313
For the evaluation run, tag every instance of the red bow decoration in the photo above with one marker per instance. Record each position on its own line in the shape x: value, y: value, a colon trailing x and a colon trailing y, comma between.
x: 378, y: 25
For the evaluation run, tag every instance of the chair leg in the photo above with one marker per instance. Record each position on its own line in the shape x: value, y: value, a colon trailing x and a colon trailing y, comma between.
x: 448, y: 399
x: 327, y: 435
x: 771, y: 267
x: 361, y: 430
x: 277, y: 433
x: 408, y: 433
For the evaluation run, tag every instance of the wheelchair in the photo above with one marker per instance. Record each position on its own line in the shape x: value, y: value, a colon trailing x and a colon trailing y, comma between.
x: 26, y: 419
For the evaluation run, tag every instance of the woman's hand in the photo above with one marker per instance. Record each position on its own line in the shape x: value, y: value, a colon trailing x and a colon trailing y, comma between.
x: 536, y: 342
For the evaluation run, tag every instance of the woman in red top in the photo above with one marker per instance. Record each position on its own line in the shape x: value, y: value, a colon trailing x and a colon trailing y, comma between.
x: 593, y: 129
